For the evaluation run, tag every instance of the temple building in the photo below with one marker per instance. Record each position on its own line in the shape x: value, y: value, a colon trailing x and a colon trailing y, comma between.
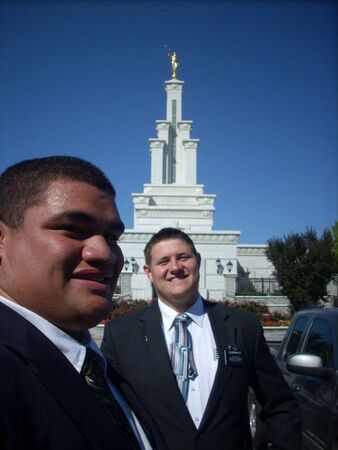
x: 173, y: 198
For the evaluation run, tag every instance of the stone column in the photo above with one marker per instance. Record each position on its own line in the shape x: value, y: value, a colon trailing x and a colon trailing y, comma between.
x: 230, y: 285
x: 190, y: 161
x: 157, y: 160
x: 174, y: 93
x: 125, y: 283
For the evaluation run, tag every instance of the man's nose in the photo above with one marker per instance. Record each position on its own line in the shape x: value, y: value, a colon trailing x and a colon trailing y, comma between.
x: 175, y: 265
x: 97, y: 249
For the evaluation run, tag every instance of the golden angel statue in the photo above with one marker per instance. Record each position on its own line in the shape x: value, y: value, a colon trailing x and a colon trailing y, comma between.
x: 174, y: 62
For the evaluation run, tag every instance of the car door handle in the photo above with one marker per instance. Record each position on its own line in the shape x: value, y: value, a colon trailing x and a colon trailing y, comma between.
x: 294, y: 387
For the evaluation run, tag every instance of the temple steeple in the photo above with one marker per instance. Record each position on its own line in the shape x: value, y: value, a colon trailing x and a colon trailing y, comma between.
x: 173, y: 152
x: 173, y: 198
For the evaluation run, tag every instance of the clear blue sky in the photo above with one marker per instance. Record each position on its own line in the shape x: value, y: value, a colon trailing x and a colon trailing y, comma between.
x: 86, y: 79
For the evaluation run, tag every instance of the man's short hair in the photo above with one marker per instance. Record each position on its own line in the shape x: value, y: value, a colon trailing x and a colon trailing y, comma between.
x: 166, y: 234
x: 24, y: 184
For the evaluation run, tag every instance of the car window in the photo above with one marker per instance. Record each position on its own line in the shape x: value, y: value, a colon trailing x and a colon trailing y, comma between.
x: 295, y: 336
x: 320, y: 341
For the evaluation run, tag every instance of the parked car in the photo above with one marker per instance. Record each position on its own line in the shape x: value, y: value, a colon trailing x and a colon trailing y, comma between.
x: 308, y: 359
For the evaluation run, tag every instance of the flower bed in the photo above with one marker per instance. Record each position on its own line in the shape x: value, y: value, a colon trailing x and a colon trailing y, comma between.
x: 268, y: 319
x: 122, y: 307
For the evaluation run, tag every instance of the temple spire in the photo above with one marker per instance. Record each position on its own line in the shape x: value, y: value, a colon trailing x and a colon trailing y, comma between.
x: 173, y: 197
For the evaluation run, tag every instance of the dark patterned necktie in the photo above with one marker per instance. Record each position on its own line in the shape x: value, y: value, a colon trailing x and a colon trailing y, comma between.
x: 181, y: 355
x: 93, y: 371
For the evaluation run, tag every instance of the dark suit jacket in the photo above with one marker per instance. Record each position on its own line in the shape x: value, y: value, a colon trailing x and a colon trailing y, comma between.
x: 135, y: 346
x: 44, y: 402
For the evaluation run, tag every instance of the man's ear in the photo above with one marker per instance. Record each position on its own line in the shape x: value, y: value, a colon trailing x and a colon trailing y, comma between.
x: 147, y: 271
x: 3, y: 229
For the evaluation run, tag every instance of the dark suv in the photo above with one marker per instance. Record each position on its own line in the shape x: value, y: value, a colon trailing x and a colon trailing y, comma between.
x: 308, y: 359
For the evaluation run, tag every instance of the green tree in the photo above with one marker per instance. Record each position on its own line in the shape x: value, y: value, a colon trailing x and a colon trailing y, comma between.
x: 334, y: 230
x: 304, y: 265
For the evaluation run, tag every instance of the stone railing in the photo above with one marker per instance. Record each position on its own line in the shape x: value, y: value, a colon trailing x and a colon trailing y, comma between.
x: 273, y: 335
x: 274, y: 303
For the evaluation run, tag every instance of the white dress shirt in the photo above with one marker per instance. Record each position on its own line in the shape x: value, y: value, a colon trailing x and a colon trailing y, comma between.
x: 75, y: 352
x: 204, y: 347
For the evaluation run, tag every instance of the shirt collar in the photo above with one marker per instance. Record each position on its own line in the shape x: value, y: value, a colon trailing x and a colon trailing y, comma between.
x: 196, y: 312
x: 74, y: 351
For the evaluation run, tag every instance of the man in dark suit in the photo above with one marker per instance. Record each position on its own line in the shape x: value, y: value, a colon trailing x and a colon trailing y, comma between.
x: 203, y: 407
x: 59, y: 264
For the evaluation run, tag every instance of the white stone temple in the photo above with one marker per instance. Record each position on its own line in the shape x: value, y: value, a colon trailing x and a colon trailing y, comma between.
x: 174, y: 198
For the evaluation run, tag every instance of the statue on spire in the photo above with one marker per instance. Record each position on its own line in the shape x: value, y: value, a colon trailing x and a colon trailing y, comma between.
x: 174, y: 61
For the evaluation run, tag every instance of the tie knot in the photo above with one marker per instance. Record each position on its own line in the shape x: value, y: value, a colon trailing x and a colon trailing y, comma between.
x: 93, y: 363
x: 183, y: 318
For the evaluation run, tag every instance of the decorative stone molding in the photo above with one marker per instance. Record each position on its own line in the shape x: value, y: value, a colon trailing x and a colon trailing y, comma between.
x: 186, y: 125
x: 199, y: 238
x: 135, y: 237
x: 193, y: 143
x: 182, y: 189
x: 204, y: 201
x: 140, y: 199
x: 172, y: 213
x: 156, y: 143
x: 174, y: 86
x: 254, y: 250
x: 215, y: 238
x: 162, y: 125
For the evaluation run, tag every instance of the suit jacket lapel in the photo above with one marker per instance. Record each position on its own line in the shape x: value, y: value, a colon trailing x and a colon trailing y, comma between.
x: 146, y: 421
x: 60, y: 379
x: 159, y: 365
x: 224, y: 333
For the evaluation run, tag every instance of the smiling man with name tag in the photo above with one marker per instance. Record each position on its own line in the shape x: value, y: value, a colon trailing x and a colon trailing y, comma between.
x: 192, y: 361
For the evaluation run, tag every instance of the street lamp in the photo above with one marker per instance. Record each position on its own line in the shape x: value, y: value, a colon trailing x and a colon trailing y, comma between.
x: 229, y: 266
x: 126, y: 264
x: 220, y: 267
x: 134, y: 265
x: 220, y: 270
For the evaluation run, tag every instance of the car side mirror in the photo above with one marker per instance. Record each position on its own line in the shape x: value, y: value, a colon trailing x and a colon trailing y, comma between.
x: 308, y: 364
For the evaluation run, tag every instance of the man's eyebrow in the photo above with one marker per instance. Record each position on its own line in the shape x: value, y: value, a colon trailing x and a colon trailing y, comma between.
x: 80, y: 216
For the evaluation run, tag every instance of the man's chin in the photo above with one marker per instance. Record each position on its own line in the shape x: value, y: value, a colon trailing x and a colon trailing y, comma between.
x: 92, y: 320
x: 182, y: 298
x: 100, y: 298
x: 181, y: 291
x: 99, y: 309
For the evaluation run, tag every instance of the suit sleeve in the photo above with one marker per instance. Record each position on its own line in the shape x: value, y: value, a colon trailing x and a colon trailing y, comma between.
x: 280, y: 409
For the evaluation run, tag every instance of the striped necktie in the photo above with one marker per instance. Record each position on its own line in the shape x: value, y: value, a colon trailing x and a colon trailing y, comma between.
x: 181, y: 355
x: 93, y: 372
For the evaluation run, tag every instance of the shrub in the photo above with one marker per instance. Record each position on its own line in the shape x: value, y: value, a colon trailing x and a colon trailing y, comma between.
x: 122, y: 307
x: 274, y: 318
